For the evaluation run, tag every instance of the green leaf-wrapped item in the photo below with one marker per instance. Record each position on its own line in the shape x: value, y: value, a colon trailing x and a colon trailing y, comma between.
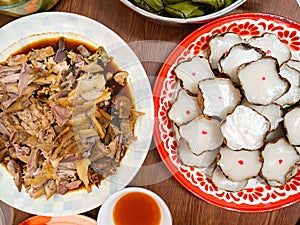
x: 228, y: 2
x: 184, y: 10
x: 216, y: 4
x: 168, y: 2
x: 154, y: 6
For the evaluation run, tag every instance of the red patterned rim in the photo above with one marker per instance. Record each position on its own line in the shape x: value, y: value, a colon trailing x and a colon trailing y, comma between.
x: 257, y: 198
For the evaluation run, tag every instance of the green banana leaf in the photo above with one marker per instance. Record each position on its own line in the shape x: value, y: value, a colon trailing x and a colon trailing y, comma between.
x: 216, y: 4
x: 186, y: 9
x: 228, y: 2
x: 167, y: 2
x: 154, y: 6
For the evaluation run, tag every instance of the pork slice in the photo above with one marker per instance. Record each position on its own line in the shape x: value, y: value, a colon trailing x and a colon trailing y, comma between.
x: 66, y: 173
x: 4, y: 70
x: 12, y: 98
x: 17, y: 60
x: 61, y: 114
x: 50, y: 188
x: 75, y: 58
x: 74, y: 184
x: 23, y: 78
x: 61, y: 187
x: 83, y: 51
x: 3, y: 129
x: 15, y: 170
x: 10, y: 78
x: 22, y: 150
x: 36, y: 120
x: 32, y: 164
x: 41, y: 54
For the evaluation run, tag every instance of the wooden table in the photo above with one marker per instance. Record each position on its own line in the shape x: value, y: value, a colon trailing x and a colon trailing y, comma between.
x: 186, y: 208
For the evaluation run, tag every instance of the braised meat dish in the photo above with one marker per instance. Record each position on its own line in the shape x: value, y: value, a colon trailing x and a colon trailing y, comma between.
x: 67, y: 117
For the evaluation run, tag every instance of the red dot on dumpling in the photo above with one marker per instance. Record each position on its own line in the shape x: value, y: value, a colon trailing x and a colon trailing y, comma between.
x: 263, y: 78
x: 241, y: 162
x: 188, y: 112
x: 280, y: 161
x: 204, y: 132
x: 268, y: 51
x: 193, y: 74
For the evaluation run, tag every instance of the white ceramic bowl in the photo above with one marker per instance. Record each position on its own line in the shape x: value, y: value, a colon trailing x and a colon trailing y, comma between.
x: 195, y: 20
x: 105, y: 215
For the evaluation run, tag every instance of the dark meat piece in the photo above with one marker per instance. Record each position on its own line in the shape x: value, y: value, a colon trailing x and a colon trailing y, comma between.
x: 61, y: 187
x: 94, y: 177
x: 121, y: 77
x: 61, y: 55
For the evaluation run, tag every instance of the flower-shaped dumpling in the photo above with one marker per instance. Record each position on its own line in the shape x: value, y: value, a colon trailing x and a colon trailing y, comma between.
x: 292, y: 126
x: 261, y: 82
x: 245, y: 128
x: 239, y: 165
x: 202, y: 134
x: 218, y: 97
x: 192, y: 71
x: 279, y: 159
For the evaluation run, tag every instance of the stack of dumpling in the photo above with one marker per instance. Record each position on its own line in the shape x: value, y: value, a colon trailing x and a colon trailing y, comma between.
x: 236, y: 111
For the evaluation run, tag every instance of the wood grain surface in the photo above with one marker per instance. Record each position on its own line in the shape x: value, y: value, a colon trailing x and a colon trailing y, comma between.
x: 152, y: 42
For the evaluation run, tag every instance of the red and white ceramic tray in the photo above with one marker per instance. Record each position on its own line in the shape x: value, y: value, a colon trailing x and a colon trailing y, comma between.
x: 66, y: 220
x: 256, y: 197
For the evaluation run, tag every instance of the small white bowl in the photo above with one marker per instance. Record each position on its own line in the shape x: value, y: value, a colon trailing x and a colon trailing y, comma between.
x: 105, y: 215
x: 195, y: 20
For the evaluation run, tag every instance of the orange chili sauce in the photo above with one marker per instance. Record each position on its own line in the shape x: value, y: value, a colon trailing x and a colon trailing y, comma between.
x: 136, y: 208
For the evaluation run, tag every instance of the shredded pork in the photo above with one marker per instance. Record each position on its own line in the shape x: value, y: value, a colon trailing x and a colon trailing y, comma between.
x: 62, y: 125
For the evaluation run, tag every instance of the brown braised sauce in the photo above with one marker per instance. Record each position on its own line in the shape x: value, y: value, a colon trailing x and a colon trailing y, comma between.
x: 70, y: 44
x: 136, y: 208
